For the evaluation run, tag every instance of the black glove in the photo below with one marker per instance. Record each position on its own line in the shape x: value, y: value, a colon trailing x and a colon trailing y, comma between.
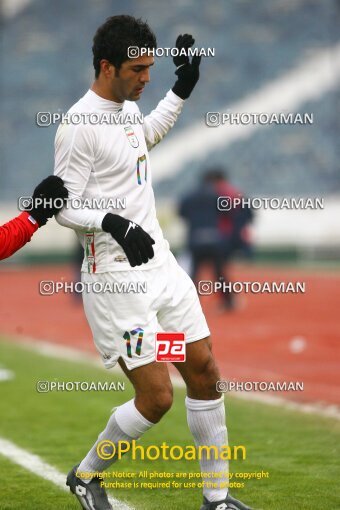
x: 188, y: 73
x: 49, y: 190
x: 136, y: 243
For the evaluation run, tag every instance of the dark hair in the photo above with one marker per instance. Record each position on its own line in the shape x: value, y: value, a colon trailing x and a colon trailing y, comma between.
x: 215, y: 174
x: 113, y: 38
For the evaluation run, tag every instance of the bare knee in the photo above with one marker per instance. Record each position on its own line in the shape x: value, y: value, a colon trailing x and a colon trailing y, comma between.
x: 201, y: 384
x: 154, y: 403
x: 153, y: 389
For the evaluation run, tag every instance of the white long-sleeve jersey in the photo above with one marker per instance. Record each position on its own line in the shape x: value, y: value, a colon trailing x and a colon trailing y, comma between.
x: 110, y: 161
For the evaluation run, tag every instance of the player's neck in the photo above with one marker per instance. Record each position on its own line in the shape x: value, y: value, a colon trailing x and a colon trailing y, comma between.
x: 105, y: 92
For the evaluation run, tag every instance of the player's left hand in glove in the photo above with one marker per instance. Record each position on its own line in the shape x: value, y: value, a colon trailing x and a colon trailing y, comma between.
x: 188, y: 72
x: 136, y: 243
x: 48, y: 198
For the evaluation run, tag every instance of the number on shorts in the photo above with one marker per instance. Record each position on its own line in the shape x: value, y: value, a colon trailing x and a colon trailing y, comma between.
x: 127, y: 337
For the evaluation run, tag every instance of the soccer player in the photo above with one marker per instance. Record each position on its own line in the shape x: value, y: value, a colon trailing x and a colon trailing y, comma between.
x: 127, y: 245
x: 19, y: 231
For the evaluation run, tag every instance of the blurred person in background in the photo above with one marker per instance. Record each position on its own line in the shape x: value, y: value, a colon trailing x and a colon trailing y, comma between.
x: 19, y: 231
x: 215, y: 233
x: 205, y: 239
x: 234, y: 226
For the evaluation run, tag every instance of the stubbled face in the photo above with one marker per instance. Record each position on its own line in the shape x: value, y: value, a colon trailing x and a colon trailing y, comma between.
x: 129, y: 80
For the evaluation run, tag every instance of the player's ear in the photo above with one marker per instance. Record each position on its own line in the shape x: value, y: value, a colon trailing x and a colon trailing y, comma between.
x: 106, y: 68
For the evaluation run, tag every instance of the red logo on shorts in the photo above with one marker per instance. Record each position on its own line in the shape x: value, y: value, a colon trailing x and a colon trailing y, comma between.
x: 170, y: 347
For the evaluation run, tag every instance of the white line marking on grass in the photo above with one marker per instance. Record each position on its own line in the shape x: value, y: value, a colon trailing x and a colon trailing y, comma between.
x: 38, y: 467
x: 316, y: 76
x: 76, y: 356
x: 52, y: 350
x: 327, y: 411
x: 6, y: 375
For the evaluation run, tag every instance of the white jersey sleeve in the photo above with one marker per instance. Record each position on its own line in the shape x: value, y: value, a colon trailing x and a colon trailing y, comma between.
x: 74, y: 161
x: 161, y: 119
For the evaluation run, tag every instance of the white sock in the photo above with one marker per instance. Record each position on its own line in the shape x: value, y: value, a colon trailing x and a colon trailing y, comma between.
x: 206, y: 420
x: 125, y: 424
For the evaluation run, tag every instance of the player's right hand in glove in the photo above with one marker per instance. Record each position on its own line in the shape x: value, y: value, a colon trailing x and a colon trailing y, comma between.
x: 48, y: 198
x: 136, y: 243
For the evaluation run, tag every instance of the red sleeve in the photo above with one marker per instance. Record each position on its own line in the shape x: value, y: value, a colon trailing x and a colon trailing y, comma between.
x: 16, y: 233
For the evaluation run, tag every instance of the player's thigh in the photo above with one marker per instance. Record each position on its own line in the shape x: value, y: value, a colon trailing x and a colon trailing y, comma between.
x: 182, y: 311
x: 149, y: 379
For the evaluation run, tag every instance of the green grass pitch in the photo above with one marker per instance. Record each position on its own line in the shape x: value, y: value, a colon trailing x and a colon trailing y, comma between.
x: 300, y: 452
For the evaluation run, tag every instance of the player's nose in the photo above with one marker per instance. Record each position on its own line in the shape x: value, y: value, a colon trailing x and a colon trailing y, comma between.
x: 145, y: 78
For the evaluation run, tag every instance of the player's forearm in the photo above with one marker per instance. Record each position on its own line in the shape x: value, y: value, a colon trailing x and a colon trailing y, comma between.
x: 16, y: 233
x: 159, y: 122
x: 81, y: 219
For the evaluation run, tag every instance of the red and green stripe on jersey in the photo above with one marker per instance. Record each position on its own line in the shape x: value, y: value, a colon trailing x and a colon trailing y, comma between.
x: 90, y: 252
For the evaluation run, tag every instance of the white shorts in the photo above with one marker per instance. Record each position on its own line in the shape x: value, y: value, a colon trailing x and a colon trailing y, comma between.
x: 124, y: 322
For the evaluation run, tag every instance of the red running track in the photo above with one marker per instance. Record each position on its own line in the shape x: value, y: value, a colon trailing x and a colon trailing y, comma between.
x: 269, y: 337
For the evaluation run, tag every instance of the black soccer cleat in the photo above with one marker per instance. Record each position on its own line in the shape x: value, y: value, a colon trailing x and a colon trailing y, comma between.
x: 91, y: 495
x: 228, y: 503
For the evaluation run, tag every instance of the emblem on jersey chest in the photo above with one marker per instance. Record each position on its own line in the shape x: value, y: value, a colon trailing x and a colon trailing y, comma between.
x: 133, y: 140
